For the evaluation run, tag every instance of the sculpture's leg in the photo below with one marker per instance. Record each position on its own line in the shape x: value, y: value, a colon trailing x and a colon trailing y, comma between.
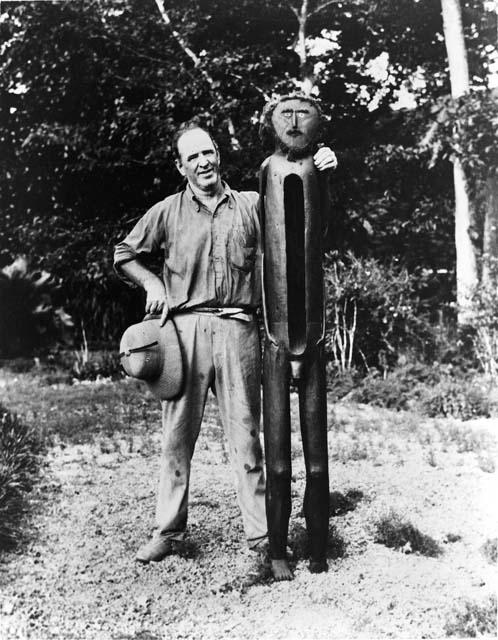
x: 313, y: 414
x: 276, y: 415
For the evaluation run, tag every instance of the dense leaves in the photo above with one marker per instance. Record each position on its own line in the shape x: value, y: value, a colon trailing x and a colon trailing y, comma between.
x: 92, y: 91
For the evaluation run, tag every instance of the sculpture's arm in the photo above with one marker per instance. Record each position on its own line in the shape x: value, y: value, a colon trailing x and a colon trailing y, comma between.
x: 263, y: 178
x: 324, y: 179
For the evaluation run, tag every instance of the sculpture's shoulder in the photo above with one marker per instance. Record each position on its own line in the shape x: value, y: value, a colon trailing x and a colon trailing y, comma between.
x: 264, y: 165
x: 280, y: 164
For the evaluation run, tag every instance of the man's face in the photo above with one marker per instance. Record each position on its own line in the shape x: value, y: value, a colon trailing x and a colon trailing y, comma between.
x: 296, y: 123
x: 199, y: 160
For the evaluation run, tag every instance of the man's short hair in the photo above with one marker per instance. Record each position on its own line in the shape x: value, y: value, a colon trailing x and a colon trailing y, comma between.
x: 189, y: 125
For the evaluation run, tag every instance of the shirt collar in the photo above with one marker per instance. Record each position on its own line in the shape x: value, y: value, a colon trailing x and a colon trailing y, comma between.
x: 226, y: 195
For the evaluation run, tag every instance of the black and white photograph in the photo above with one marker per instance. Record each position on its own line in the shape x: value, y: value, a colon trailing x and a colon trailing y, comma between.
x: 248, y: 319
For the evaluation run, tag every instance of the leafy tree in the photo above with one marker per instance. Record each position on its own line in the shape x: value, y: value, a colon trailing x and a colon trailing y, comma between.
x: 93, y: 89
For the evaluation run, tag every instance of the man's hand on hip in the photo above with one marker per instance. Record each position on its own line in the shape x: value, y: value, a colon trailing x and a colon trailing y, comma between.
x: 156, y: 300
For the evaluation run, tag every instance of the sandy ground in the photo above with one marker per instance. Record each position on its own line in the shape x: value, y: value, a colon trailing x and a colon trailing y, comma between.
x: 77, y: 578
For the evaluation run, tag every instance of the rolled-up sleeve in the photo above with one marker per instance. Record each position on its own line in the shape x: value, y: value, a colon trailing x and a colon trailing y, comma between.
x: 145, y: 239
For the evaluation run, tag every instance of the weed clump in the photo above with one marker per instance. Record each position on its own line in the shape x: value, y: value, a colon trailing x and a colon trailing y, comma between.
x: 339, y: 503
x: 396, y: 533
x: 20, y: 447
x: 299, y: 543
x: 489, y: 550
x: 473, y: 620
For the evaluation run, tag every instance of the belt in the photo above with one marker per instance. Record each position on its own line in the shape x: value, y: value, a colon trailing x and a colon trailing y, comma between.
x: 235, y: 313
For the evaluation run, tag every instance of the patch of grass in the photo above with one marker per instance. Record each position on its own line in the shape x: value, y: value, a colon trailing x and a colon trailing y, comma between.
x: 300, y: 544
x: 473, y: 620
x: 431, y: 458
x: 452, y: 538
x: 20, y: 449
x: 489, y: 550
x: 339, y: 503
x: 352, y: 448
x: 80, y: 413
x: 465, y: 439
x: 395, y: 532
x: 486, y: 463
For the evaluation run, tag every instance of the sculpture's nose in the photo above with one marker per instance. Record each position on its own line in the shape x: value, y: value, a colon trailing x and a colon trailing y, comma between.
x: 294, y: 120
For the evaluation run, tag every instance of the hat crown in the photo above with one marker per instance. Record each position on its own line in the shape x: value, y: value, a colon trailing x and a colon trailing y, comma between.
x: 152, y: 353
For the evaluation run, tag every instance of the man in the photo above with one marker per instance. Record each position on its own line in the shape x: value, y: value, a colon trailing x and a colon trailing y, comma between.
x: 210, y: 238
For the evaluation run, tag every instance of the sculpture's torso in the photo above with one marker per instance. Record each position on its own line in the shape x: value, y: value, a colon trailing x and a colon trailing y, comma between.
x: 292, y: 235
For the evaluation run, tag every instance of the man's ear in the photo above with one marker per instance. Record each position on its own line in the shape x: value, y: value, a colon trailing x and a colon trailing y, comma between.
x: 178, y: 165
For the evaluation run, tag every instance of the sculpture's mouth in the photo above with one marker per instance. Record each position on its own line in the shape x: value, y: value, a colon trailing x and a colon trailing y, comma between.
x: 294, y: 133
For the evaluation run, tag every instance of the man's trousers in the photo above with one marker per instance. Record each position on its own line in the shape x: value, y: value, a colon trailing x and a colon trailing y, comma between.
x: 222, y: 353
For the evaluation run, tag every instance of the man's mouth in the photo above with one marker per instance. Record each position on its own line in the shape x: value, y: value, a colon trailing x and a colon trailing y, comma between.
x: 294, y: 133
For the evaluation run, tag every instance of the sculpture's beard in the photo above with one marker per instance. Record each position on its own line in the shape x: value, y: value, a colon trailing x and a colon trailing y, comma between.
x: 293, y: 153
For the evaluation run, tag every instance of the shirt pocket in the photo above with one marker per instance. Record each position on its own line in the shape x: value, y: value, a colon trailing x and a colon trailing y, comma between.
x: 242, y: 258
x: 242, y: 250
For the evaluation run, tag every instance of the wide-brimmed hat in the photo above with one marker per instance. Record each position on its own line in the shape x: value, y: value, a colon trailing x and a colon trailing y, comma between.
x: 152, y: 353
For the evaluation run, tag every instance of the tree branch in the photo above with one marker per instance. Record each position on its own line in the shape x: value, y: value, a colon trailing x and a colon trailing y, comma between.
x: 322, y: 7
x: 197, y: 61
x: 293, y: 9
x: 181, y: 41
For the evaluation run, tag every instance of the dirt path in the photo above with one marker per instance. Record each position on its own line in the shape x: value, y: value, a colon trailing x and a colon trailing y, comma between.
x: 78, y: 579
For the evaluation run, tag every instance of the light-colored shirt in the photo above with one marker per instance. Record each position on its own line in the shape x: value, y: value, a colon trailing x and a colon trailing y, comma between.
x: 210, y: 258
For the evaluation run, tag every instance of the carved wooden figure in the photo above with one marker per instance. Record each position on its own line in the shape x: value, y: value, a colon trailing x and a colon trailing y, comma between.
x: 294, y: 209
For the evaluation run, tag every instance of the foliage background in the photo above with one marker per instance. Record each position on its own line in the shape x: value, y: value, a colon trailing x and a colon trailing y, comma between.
x: 91, y: 91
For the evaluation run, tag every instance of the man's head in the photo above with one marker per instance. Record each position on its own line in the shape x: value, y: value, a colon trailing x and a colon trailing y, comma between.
x: 197, y: 157
x: 293, y: 123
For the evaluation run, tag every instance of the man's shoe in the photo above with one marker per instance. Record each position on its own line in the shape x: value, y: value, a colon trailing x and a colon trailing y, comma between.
x: 156, y: 549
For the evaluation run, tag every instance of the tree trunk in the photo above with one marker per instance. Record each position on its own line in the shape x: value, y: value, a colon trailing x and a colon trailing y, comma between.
x: 466, y: 262
x: 490, y: 240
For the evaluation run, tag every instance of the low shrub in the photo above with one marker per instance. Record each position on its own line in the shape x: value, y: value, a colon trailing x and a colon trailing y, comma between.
x: 29, y: 320
x: 105, y: 364
x: 341, y: 383
x: 434, y: 390
x: 400, y: 389
x: 473, y: 620
x: 394, y: 532
x: 372, y: 312
x: 462, y: 399
x: 20, y: 449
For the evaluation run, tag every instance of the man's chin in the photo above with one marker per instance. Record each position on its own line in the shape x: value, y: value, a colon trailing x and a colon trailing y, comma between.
x: 208, y: 184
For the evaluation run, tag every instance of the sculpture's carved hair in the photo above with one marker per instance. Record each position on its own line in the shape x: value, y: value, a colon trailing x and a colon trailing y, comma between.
x: 266, y: 130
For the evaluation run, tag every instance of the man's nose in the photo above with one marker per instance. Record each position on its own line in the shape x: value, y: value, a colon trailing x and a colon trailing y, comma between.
x: 294, y: 120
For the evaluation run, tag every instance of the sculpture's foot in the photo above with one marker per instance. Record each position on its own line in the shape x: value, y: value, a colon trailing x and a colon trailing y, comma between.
x: 318, y: 566
x: 281, y: 570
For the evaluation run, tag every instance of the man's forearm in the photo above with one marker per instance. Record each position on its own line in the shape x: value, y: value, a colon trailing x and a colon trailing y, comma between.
x: 154, y: 287
x: 140, y: 275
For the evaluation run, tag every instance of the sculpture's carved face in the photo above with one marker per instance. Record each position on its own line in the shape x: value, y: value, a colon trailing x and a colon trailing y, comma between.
x: 296, y: 123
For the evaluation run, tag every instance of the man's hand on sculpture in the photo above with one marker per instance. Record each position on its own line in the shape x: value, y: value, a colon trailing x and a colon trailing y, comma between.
x: 325, y: 159
x: 156, y: 301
